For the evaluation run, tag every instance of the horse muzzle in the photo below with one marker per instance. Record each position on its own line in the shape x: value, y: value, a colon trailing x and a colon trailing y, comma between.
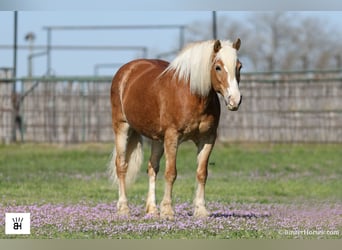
x: 231, y: 105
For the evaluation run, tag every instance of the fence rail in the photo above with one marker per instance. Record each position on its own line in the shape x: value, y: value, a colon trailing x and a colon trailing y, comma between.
x: 277, y: 107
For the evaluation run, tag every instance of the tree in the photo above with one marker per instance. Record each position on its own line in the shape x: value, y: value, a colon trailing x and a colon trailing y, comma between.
x: 278, y: 40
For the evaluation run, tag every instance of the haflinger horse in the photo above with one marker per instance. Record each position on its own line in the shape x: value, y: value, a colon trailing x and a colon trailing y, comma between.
x: 170, y: 103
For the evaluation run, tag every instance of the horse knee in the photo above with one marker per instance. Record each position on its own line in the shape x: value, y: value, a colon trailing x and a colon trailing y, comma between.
x: 202, y: 176
x: 152, y: 169
x: 171, y: 176
x: 121, y: 167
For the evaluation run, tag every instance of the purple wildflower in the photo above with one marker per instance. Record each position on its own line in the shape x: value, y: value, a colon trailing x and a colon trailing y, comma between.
x: 101, y: 220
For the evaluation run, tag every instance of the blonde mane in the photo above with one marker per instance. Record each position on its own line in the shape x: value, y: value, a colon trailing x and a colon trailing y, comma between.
x: 194, y: 62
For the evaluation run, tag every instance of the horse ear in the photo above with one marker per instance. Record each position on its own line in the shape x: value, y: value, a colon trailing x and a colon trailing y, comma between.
x: 217, y: 46
x: 237, y: 44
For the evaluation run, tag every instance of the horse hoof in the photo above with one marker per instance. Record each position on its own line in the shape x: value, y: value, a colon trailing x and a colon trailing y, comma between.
x: 167, y: 216
x: 166, y: 211
x: 123, y: 211
x: 201, y: 213
x: 152, y: 211
x: 152, y: 215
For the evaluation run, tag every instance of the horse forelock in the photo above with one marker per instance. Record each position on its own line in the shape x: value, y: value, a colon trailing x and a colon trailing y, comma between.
x: 228, y: 55
x: 194, y: 62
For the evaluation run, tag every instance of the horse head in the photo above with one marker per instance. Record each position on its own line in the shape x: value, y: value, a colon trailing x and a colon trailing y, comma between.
x: 225, y: 73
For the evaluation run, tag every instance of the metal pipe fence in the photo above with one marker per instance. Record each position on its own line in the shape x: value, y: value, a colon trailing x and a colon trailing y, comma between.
x: 300, y: 106
x: 58, y: 110
x: 277, y: 107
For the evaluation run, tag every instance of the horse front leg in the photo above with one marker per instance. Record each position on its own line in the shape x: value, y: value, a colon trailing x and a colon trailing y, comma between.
x: 171, y: 146
x: 204, y: 150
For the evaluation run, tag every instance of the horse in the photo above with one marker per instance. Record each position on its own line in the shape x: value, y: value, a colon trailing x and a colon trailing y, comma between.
x: 171, y: 103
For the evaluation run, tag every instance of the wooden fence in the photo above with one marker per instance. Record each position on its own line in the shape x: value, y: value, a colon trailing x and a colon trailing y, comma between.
x: 276, y: 107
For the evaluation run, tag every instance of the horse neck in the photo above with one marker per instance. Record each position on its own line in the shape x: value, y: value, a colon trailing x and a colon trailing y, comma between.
x: 210, y: 101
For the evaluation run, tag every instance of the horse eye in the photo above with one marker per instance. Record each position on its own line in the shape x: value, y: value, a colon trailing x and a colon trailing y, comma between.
x: 218, y: 68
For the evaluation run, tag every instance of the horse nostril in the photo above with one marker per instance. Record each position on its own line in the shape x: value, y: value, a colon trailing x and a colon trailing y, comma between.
x: 240, y: 100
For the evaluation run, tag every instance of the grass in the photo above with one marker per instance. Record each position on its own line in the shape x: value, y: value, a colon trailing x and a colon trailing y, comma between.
x: 246, y: 177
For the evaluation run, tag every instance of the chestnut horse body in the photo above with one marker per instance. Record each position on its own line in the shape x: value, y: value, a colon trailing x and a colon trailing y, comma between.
x: 171, y: 103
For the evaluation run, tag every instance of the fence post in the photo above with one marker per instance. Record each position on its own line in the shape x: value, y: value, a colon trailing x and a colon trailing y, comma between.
x: 83, y: 96
x: 14, y: 89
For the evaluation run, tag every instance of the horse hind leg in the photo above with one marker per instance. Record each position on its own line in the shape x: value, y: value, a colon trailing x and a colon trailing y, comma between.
x: 157, y: 150
x: 120, y: 167
x: 128, y: 159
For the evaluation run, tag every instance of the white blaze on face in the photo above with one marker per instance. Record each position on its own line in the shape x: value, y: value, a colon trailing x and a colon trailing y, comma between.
x: 232, y: 94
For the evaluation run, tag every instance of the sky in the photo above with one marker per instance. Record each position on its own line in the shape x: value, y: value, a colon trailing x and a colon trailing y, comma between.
x: 83, y: 62
x: 231, y: 5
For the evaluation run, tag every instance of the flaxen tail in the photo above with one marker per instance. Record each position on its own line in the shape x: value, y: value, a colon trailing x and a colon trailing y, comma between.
x: 134, y: 158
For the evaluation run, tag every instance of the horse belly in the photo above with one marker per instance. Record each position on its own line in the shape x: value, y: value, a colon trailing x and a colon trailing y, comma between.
x: 145, y: 126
